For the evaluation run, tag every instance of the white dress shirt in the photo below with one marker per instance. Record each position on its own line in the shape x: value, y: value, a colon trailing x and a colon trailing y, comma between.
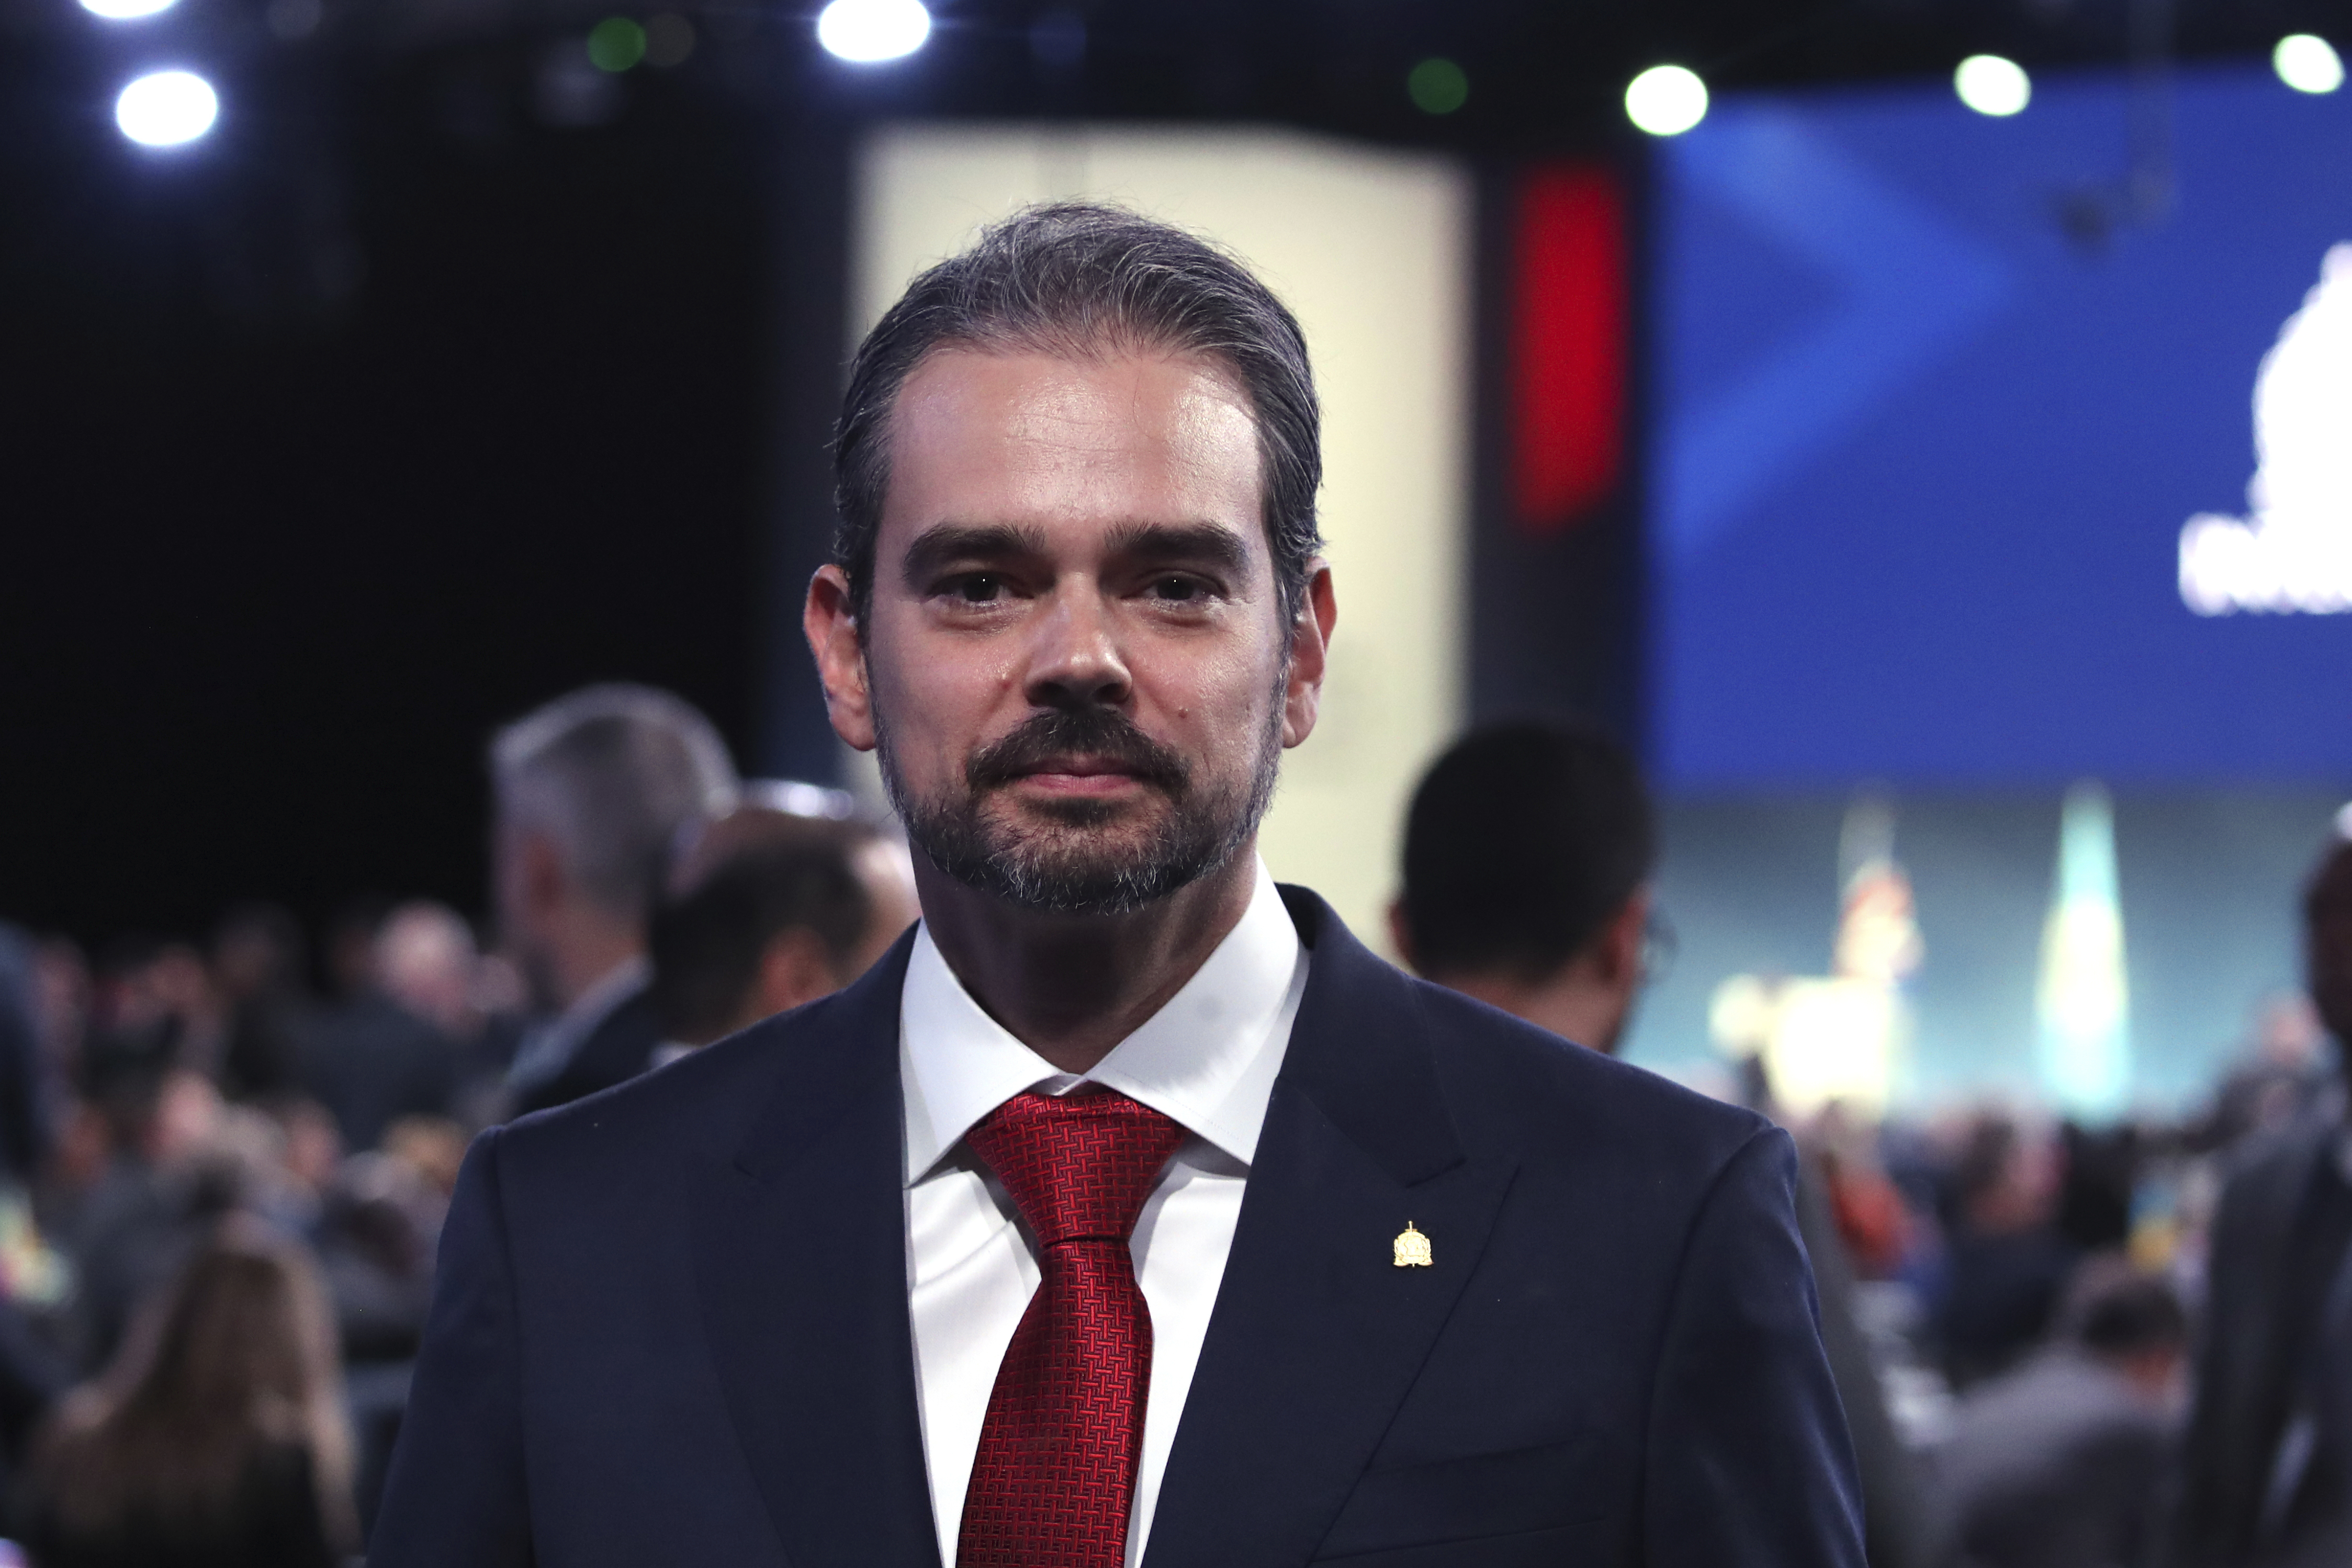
x: 1207, y: 1059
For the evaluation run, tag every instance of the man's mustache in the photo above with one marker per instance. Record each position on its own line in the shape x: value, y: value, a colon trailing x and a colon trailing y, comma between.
x: 1062, y: 733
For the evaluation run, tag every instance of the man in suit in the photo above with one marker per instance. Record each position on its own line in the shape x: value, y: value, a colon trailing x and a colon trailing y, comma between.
x: 2266, y: 1475
x: 2057, y: 1463
x: 591, y: 793
x: 1129, y: 1211
x: 1529, y: 853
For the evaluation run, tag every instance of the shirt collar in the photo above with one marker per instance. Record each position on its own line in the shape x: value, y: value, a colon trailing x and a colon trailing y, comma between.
x: 1206, y: 1059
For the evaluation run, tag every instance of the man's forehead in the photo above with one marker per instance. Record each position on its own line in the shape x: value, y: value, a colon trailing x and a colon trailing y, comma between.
x: 1130, y: 398
x: 1034, y: 440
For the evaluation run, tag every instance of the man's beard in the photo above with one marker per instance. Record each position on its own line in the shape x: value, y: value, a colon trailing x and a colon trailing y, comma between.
x: 1062, y: 865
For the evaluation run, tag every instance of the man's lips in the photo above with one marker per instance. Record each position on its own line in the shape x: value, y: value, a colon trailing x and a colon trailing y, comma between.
x: 1080, y: 775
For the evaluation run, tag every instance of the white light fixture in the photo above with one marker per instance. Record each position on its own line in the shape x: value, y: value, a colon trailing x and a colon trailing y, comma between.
x: 1665, y: 100
x: 166, y: 108
x: 1992, y: 85
x: 126, y: 10
x: 868, y: 31
x: 2304, y: 62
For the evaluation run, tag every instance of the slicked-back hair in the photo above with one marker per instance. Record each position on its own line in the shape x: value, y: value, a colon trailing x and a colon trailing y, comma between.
x: 1081, y: 281
x: 1521, y: 842
x: 611, y: 774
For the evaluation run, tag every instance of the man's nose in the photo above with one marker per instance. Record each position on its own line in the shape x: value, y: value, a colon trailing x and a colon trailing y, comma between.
x: 1075, y: 661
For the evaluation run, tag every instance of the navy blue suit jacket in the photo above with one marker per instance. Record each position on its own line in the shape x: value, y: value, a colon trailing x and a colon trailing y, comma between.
x: 671, y: 1323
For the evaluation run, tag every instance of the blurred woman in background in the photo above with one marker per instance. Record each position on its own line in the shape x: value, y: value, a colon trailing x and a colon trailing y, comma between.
x: 217, y: 1438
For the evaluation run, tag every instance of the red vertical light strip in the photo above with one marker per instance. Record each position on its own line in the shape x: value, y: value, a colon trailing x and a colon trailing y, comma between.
x: 1568, y: 346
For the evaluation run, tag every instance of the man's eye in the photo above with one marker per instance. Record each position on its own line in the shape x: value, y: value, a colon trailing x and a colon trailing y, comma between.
x: 977, y: 587
x: 1177, y: 589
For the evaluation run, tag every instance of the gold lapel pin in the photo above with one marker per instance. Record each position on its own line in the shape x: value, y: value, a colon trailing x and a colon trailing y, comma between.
x: 1412, y: 1248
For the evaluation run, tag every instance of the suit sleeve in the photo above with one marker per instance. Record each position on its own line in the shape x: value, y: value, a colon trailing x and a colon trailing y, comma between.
x: 456, y: 1496
x: 1748, y: 1461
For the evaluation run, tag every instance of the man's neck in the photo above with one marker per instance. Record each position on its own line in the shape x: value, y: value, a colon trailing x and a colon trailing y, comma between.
x: 1072, y: 986
x: 1575, y: 1002
x: 592, y: 949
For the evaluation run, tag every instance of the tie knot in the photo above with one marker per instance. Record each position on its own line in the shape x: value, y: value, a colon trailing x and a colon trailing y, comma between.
x: 1080, y: 1166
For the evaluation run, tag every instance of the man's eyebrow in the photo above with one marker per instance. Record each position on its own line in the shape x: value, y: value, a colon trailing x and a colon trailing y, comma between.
x: 1208, y: 544
x: 942, y: 543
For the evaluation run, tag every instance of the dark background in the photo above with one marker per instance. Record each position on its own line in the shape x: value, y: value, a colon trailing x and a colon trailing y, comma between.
x: 274, y: 567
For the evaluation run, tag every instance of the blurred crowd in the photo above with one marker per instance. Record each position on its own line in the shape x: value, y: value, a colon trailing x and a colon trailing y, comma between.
x: 224, y: 1163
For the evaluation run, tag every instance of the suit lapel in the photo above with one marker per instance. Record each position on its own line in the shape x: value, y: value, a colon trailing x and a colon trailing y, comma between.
x: 1318, y: 1334
x: 799, y: 1245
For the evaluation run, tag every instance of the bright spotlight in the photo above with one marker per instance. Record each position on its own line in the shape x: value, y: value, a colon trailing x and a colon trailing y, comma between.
x: 1992, y: 85
x: 1665, y: 100
x: 166, y: 108
x: 2305, y: 63
x: 126, y: 10
x: 867, y: 31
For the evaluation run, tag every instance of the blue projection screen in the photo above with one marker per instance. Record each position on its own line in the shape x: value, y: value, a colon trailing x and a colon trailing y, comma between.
x: 1926, y: 449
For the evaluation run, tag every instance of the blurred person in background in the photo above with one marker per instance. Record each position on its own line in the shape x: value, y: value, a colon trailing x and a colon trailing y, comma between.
x: 593, y: 794
x: 383, y: 1055
x: 258, y: 962
x: 2286, y: 1068
x: 25, y: 1097
x: 216, y: 1439
x: 2098, y: 1178
x: 426, y: 960
x: 1528, y: 856
x: 2006, y: 1261
x: 2266, y: 1476
x: 128, y: 1225
x: 349, y: 950
x: 770, y: 910
x: 2058, y: 1462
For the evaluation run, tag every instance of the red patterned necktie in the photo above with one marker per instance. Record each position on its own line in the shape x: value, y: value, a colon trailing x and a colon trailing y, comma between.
x: 1055, y: 1475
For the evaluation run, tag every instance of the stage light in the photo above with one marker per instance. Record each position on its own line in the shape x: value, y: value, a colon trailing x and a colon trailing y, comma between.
x: 616, y: 44
x: 2304, y: 62
x: 1992, y: 85
x: 867, y: 31
x: 1437, y: 86
x: 1665, y: 100
x: 126, y: 10
x: 166, y: 108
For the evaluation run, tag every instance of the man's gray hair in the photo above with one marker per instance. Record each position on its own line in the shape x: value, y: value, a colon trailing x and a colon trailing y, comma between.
x: 611, y: 774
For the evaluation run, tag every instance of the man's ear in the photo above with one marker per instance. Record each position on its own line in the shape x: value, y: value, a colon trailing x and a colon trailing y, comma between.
x: 832, y: 627
x: 795, y: 968
x: 544, y: 883
x: 1618, y: 946
x: 1310, y: 652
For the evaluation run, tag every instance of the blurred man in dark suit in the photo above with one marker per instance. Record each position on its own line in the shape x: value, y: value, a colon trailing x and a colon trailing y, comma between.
x: 2267, y: 1475
x: 770, y: 910
x: 2057, y: 1462
x: 1129, y: 1211
x: 1528, y: 851
x: 592, y: 792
